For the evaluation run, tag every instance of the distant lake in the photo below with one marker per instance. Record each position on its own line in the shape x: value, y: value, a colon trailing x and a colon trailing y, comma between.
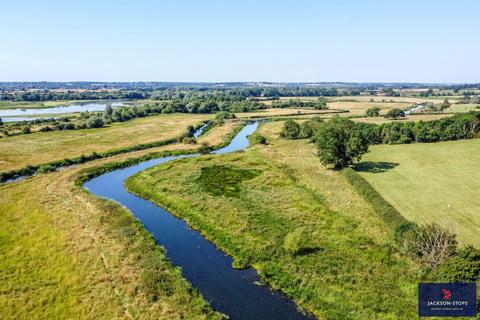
x: 18, y: 114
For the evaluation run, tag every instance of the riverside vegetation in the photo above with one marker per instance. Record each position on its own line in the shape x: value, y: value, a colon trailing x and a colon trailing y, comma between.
x: 67, y: 254
x: 327, y: 238
x: 284, y: 221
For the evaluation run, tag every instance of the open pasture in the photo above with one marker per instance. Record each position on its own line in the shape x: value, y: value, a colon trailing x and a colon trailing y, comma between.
x: 435, y: 182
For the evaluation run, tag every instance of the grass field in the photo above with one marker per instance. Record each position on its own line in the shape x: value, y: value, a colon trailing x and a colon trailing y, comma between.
x: 37, y: 148
x: 436, y: 182
x: 463, y: 107
x: 347, y: 268
x: 273, y: 112
x: 65, y: 254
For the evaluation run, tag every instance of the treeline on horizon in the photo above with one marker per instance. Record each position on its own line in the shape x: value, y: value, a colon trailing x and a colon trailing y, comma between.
x: 97, y: 91
x: 134, y: 85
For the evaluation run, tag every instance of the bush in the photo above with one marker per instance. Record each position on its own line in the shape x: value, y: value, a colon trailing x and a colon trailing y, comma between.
x: 94, y: 122
x: 223, y: 115
x: 45, y: 168
x: 395, y: 113
x: 189, y: 140
x: 433, y: 244
x: 205, y: 148
x: 291, y: 130
x: 373, y: 112
x: 294, y: 241
x: 464, y: 267
x: 258, y: 139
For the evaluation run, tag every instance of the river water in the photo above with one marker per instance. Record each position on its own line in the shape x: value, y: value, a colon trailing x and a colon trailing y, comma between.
x: 18, y: 114
x: 233, y: 292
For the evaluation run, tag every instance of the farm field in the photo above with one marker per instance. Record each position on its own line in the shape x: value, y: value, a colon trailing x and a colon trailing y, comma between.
x: 19, y: 151
x: 377, y: 99
x: 67, y: 254
x: 413, y: 117
x: 274, y: 112
x: 348, y: 263
x: 436, y: 182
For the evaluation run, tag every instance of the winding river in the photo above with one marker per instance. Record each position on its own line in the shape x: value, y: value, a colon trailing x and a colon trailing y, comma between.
x: 233, y: 292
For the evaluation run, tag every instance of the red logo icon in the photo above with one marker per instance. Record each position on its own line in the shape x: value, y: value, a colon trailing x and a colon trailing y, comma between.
x: 446, y: 294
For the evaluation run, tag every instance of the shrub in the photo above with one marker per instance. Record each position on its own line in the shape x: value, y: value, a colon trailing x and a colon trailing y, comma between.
x: 94, y: 122
x: 373, y: 112
x: 395, y: 113
x: 45, y: 168
x: 433, y: 244
x: 189, y: 140
x: 223, y: 115
x: 294, y: 241
x: 205, y: 148
x: 464, y: 267
x: 258, y: 139
x: 291, y: 130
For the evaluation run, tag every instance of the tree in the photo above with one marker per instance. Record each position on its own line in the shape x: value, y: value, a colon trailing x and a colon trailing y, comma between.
x: 373, y: 112
x: 320, y: 104
x: 339, y: 142
x: 94, y: 122
x: 108, y: 110
x: 446, y: 104
x: 291, y: 130
x: 1, y: 122
x: 117, y: 116
x: 395, y: 113
x: 434, y: 244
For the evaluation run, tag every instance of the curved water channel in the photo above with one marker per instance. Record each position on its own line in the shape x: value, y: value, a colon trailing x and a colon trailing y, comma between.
x: 233, y: 292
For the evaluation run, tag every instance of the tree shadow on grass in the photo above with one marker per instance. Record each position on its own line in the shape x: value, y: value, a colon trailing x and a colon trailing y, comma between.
x: 374, y: 167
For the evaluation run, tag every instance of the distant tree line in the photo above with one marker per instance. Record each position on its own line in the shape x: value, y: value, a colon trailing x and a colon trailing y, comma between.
x: 50, y: 95
x: 319, y: 104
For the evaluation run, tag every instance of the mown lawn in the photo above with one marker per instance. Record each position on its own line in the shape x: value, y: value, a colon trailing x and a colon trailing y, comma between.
x: 19, y: 151
x: 437, y: 182
x: 247, y: 203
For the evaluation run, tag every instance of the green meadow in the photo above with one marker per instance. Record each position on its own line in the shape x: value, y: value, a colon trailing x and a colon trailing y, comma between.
x: 254, y: 204
x: 430, y: 182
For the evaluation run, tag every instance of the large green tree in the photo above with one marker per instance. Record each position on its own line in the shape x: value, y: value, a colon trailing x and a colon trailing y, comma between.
x: 291, y: 130
x: 339, y: 142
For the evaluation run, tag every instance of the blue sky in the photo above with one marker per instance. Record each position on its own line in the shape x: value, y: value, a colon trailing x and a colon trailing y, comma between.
x: 296, y: 41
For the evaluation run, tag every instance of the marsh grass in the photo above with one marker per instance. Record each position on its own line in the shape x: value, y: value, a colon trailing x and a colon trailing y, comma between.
x: 224, y: 180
